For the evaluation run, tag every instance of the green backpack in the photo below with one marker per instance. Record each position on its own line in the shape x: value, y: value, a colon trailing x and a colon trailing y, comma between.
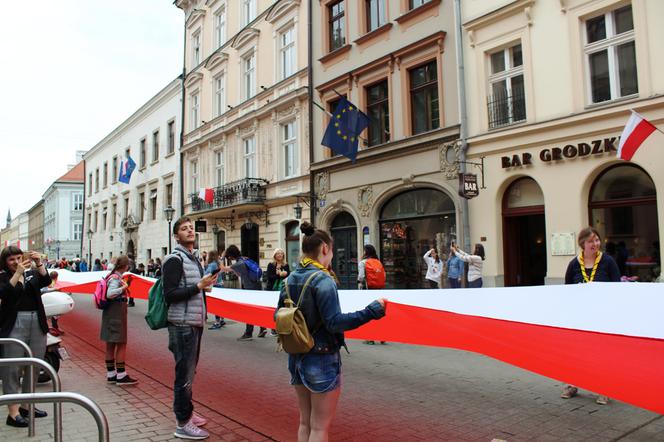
x: 157, y: 316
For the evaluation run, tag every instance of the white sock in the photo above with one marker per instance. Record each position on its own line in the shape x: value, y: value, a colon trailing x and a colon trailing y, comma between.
x: 110, y: 374
x: 122, y: 375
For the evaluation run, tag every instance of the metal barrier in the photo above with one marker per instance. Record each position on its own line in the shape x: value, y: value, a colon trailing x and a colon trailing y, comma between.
x: 31, y: 378
x: 57, y: 407
x: 57, y: 399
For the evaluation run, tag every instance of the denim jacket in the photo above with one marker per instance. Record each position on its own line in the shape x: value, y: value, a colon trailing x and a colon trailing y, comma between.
x: 322, y: 311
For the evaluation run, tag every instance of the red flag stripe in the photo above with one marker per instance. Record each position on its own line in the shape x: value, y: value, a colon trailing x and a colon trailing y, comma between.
x: 636, y: 138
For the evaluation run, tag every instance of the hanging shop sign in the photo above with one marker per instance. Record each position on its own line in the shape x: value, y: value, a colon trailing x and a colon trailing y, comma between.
x: 200, y: 226
x: 567, y: 152
x: 468, y: 187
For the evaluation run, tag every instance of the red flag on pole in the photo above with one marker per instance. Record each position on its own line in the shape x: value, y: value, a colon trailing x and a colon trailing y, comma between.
x: 635, y: 133
x: 206, y: 195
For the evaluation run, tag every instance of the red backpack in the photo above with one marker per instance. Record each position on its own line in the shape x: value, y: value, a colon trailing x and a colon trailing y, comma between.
x: 374, y: 274
x: 101, y: 301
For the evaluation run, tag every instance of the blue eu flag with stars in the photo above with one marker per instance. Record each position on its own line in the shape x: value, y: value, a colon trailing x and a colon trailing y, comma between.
x: 343, y: 130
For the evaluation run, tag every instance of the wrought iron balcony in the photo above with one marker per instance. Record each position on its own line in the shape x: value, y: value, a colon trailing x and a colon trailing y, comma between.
x: 506, y: 109
x: 245, y: 191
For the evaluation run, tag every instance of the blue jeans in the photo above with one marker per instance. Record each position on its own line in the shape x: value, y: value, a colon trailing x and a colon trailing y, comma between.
x: 185, y: 344
x: 454, y: 283
x: 475, y: 284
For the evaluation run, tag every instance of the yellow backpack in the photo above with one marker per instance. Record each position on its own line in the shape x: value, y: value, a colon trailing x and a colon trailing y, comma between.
x: 294, y: 336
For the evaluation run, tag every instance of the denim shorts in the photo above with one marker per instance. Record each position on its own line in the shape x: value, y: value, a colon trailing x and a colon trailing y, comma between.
x: 320, y: 373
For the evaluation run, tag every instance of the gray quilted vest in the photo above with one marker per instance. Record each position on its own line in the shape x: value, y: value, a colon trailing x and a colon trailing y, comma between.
x: 192, y: 311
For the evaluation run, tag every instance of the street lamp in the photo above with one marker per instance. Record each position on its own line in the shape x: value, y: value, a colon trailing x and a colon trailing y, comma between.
x: 169, y: 212
x: 90, y: 232
x: 57, y: 249
x: 298, y: 210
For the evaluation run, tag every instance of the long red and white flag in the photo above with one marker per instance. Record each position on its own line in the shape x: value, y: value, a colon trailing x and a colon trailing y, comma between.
x: 206, y: 195
x: 634, y: 134
x: 604, y: 337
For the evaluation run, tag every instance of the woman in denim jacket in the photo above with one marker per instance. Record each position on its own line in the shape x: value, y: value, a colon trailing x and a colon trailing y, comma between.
x: 316, y: 375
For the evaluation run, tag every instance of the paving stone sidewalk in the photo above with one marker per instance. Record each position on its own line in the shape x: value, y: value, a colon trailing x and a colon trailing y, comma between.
x: 141, y: 412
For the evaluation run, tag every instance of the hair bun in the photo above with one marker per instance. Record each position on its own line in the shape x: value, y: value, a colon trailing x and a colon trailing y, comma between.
x: 307, y: 228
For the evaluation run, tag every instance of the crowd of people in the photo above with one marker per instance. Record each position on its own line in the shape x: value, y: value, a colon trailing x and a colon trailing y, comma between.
x: 188, y: 276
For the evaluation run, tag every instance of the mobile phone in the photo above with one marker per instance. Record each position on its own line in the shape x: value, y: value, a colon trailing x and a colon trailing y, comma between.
x: 26, y: 256
x: 216, y: 272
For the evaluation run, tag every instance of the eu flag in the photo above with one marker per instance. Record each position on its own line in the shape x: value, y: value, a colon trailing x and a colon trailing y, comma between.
x: 126, y: 169
x: 343, y: 130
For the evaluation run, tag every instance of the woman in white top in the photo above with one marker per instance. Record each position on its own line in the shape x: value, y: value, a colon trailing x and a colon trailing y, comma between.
x: 434, y: 268
x: 475, y: 262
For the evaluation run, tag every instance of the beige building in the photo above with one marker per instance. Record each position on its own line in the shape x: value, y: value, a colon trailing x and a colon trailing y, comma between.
x: 550, y: 88
x: 245, y: 122
x: 396, y: 61
x: 36, y: 227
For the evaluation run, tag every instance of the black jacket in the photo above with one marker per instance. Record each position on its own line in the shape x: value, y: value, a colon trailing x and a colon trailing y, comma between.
x: 9, y: 297
x: 272, y: 274
x: 607, y: 271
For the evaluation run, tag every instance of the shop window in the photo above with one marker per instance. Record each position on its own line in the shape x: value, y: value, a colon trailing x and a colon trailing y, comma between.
x: 412, y: 223
x: 378, y: 110
x: 292, y: 243
x: 425, y: 112
x: 610, y: 55
x: 623, y: 208
x: 507, y: 102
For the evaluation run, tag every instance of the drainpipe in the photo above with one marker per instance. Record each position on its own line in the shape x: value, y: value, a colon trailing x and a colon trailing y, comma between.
x: 310, y: 80
x: 463, y: 118
x: 183, y: 76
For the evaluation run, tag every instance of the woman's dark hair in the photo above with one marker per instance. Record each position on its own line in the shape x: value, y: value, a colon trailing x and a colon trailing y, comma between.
x: 232, y: 252
x: 6, y: 253
x: 313, y: 239
x: 369, y: 252
x: 97, y: 261
x: 437, y: 255
x: 121, y: 262
x: 213, y: 255
x: 479, y: 251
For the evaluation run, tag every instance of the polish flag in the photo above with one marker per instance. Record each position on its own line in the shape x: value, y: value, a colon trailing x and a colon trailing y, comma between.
x: 206, y: 195
x: 635, y: 133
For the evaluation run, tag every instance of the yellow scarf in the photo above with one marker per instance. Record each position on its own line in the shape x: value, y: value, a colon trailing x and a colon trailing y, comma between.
x: 583, y: 267
x: 306, y: 261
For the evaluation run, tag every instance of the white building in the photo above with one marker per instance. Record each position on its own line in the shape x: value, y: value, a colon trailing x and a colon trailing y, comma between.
x: 63, y: 214
x: 129, y: 218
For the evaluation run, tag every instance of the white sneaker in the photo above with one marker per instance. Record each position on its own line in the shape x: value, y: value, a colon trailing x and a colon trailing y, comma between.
x: 191, y: 431
x: 198, y: 420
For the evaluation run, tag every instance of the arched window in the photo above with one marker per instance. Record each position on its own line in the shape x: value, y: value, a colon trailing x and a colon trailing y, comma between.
x: 623, y: 208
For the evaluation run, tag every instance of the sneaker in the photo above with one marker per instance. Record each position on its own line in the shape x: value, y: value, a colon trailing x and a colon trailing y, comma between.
x: 369, y: 342
x: 215, y: 326
x: 262, y: 333
x: 111, y: 379
x: 38, y: 413
x: 127, y: 380
x: 222, y: 323
x: 569, y: 391
x: 602, y: 400
x: 245, y: 338
x: 273, y: 332
x: 198, y: 420
x: 18, y: 421
x: 190, y: 431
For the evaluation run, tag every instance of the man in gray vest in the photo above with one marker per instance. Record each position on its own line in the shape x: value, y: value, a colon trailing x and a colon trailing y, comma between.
x: 184, y: 291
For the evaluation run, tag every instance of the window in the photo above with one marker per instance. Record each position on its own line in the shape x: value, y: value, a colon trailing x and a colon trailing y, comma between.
x: 219, y: 95
x: 507, y: 102
x: 412, y: 4
x: 196, y: 49
x: 77, y: 231
x: 220, y: 26
x: 248, y: 11
x: 78, y: 201
x: 90, y: 184
x: 219, y: 168
x: 153, y: 204
x: 126, y: 207
x: 97, y: 180
x: 287, y: 52
x: 249, y: 157
x: 195, y: 105
x: 164, y: 251
x: 90, y: 220
x: 378, y: 110
x: 104, y: 218
x: 336, y: 25
x: 193, y: 173
x: 114, y: 215
x: 249, y: 76
x: 105, y: 173
x: 424, y: 98
x: 95, y: 225
x: 289, y: 148
x: 376, y: 13
x: 169, y: 195
x: 114, y: 177
x: 141, y: 206
x: 155, y: 146
x: 611, y: 55
x: 142, y: 152
x: 171, y: 137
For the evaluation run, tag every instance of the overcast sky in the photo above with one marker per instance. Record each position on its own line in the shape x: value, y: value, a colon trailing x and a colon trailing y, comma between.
x: 72, y: 71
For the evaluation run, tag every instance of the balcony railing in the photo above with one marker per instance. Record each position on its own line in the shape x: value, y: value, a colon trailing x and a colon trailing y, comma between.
x: 506, y: 109
x: 246, y: 191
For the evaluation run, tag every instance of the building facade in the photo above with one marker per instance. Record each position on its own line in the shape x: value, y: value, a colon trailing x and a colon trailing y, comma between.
x: 129, y: 218
x: 550, y: 88
x: 245, y: 123
x: 396, y: 61
x: 36, y: 227
x: 9, y: 235
x: 63, y: 214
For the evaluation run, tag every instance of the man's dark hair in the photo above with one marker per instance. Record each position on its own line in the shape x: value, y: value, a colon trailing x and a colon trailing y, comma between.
x: 232, y: 252
x: 6, y: 253
x: 179, y: 222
